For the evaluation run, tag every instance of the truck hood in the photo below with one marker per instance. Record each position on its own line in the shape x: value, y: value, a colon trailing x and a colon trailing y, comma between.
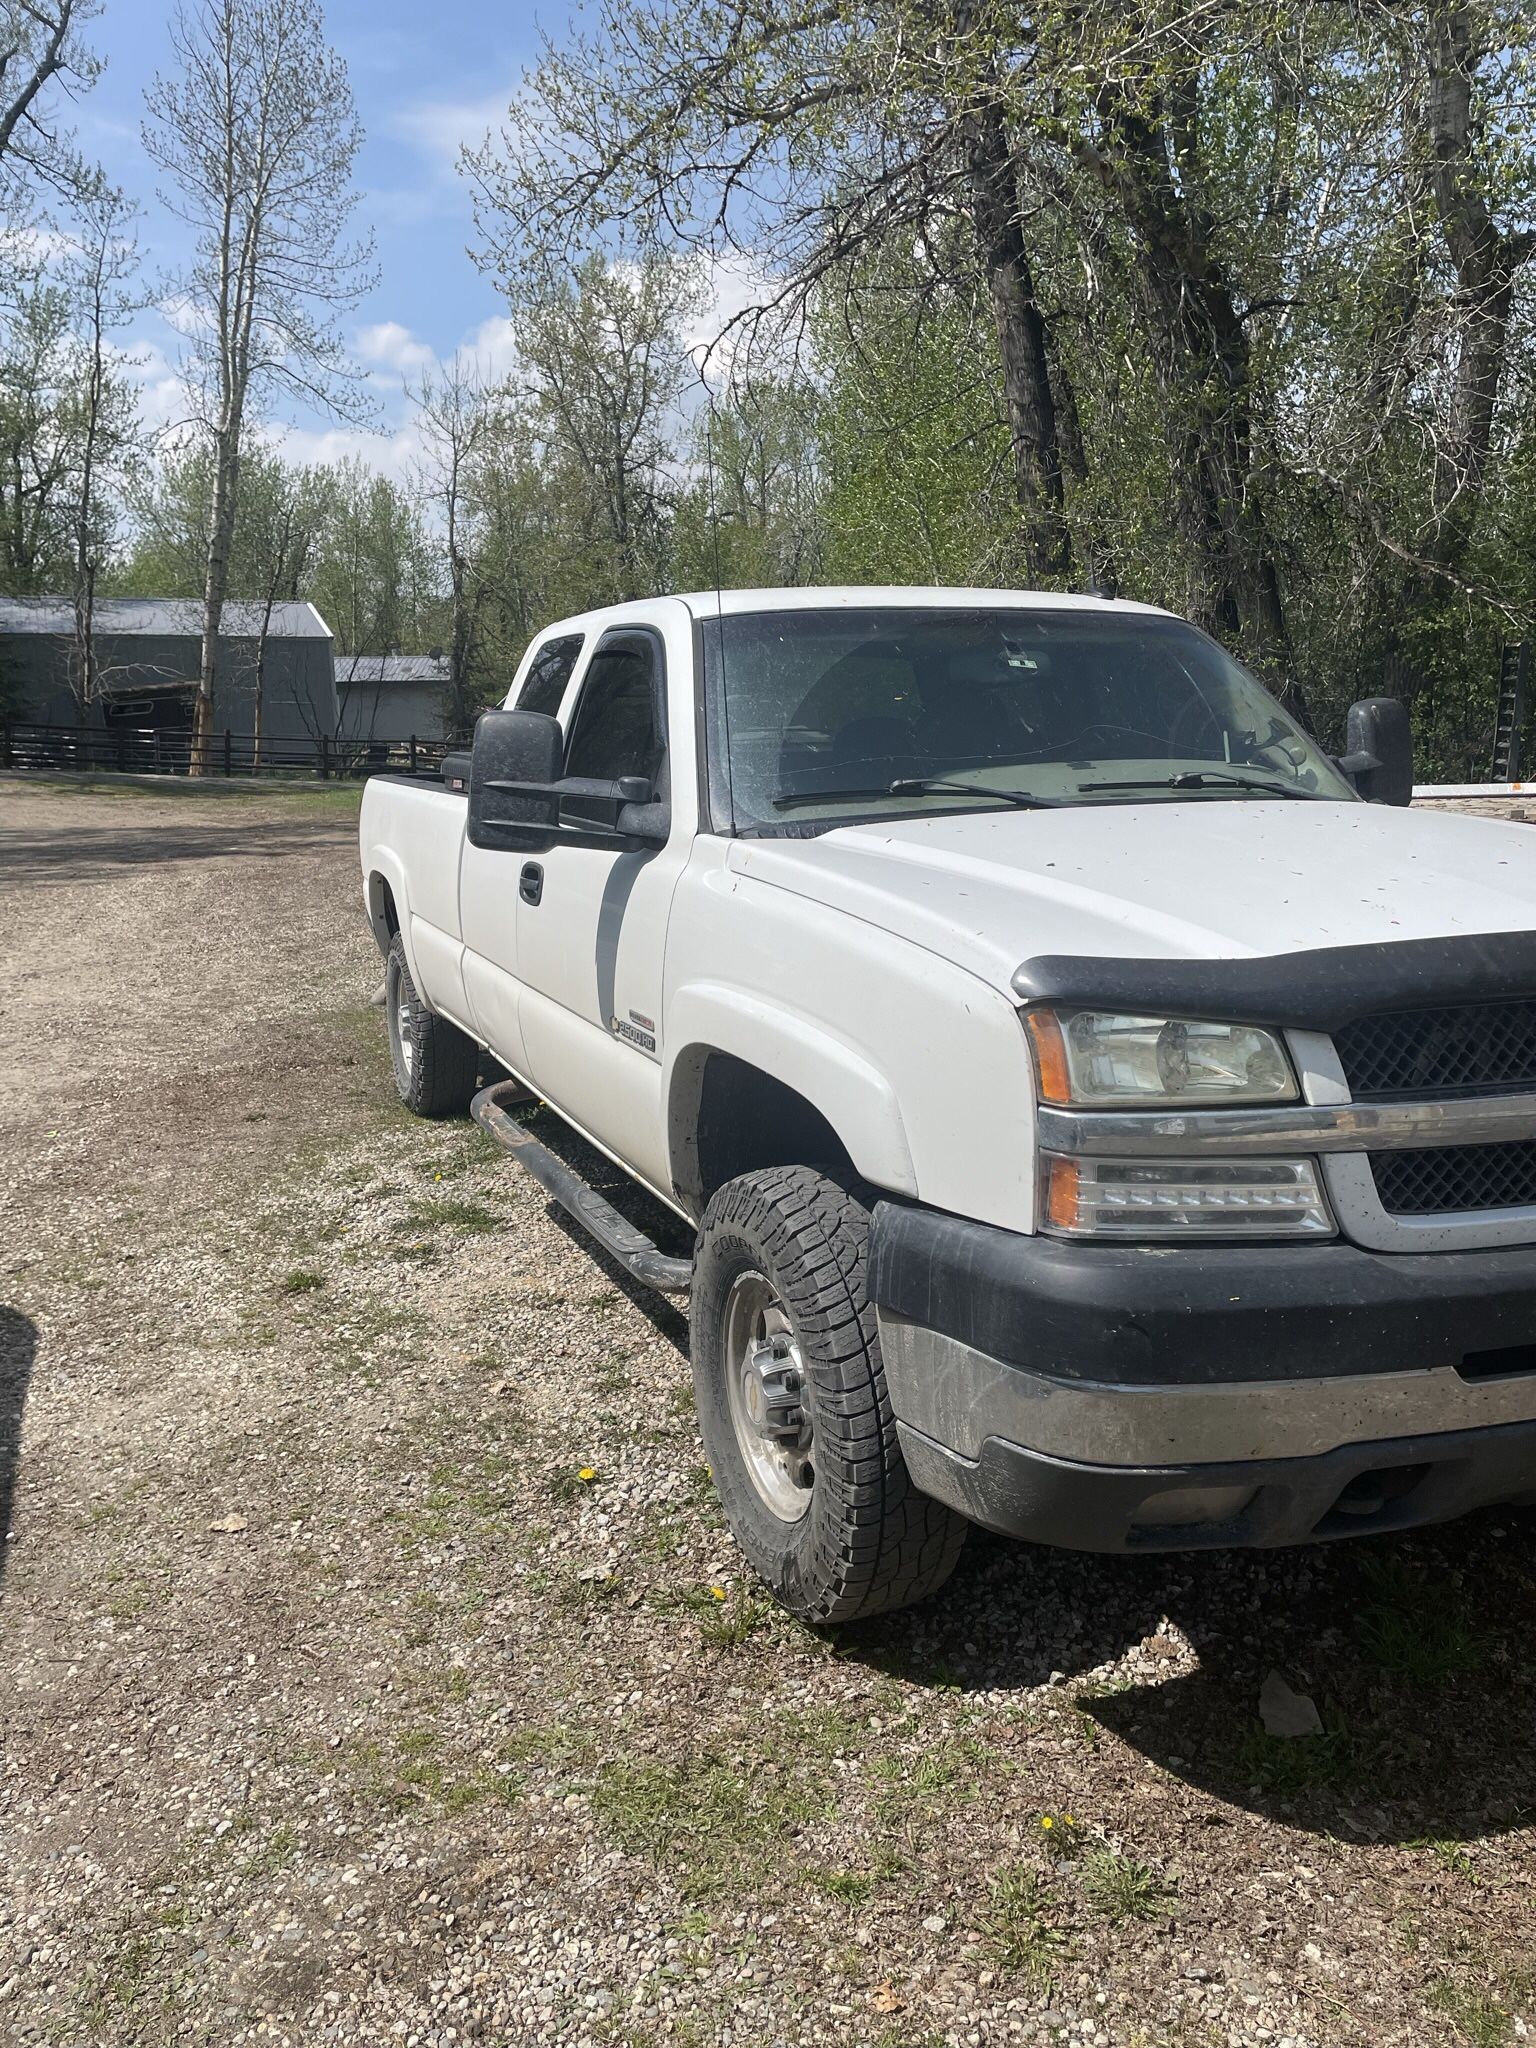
x: 1203, y: 880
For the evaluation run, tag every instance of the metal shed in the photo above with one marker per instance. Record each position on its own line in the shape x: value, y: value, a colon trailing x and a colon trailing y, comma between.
x: 148, y: 654
x: 384, y: 699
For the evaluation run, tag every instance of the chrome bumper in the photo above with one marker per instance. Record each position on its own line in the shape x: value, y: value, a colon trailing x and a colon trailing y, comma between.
x: 959, y: 1397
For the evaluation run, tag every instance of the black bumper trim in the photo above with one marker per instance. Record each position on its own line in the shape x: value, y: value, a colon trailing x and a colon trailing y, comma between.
x: 1138, y: 1315
x: 1361, y: 1489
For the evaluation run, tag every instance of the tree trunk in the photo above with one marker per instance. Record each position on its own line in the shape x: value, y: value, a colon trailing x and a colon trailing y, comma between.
x: 221, y: 528
x: 1201, y: 355
x: 1486, y: 262
x: 1023, y: 345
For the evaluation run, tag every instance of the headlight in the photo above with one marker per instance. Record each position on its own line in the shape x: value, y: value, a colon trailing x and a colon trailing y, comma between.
x: 1098, y: 1057
x: 1161, y: 1198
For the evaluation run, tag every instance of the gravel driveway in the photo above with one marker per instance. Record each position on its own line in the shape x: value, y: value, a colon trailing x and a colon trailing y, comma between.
x: 376, y: 1668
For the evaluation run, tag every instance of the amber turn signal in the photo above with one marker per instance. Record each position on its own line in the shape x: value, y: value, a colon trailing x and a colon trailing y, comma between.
x: 1050, y: 1052
x: 1061, y: 1193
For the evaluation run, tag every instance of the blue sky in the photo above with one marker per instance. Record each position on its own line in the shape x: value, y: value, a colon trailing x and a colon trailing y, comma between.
x: 425, y: 80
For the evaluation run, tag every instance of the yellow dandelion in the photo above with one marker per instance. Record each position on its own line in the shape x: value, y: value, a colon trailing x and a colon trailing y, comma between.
x: 1046, y: 1821
x: 717, y: 1592
x: 586, y: 1475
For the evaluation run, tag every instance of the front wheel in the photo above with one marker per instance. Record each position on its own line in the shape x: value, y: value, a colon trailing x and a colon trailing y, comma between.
x: 435, y: 1063
x: 792, y: 1403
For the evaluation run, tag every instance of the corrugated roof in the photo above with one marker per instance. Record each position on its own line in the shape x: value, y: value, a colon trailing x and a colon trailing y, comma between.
x: 121, y: 617
x: 392, y: 668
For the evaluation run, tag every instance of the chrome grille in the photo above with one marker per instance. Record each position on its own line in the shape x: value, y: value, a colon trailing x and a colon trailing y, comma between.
x: 1452, y: 1178
x: 1464, y: 1049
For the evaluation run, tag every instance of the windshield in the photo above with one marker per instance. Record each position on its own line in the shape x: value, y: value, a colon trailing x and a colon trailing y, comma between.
x: 816, y: 713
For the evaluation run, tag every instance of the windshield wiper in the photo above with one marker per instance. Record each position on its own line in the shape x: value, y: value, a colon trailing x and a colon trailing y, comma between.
x: 919, y: 785
x: 1199, y: 778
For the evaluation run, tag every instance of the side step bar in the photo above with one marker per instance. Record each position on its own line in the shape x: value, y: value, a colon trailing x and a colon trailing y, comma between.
x: 621, y: 1240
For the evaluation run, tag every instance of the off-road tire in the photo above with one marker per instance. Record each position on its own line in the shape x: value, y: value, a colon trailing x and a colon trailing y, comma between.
x: 438, y: 1078
x: 869, y: 1541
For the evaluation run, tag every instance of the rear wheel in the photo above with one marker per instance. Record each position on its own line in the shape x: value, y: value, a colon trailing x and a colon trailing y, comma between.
x: 792, y: 1403
x: 435, y: 1063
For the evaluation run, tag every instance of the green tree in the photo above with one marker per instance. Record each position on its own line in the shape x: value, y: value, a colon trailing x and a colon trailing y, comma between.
x: 753, y: 514
x: 258, y: 134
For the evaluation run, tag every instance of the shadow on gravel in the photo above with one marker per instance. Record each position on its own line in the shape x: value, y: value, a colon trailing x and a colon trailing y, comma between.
x: 18, y: 1348
x: 89, y: 853
x: 1415, y: 1649
x: 634, y: 1204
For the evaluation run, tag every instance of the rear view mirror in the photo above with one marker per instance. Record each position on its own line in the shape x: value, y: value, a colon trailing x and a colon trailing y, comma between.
x: 1379, y: 756
x: 516, y: 757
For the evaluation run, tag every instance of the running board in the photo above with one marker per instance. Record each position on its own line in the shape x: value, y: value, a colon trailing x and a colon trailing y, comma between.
x: 634, y: 1251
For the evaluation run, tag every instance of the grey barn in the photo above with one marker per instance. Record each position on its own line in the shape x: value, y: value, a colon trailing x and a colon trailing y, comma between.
x: 148, y: 654
x: 383, y: 699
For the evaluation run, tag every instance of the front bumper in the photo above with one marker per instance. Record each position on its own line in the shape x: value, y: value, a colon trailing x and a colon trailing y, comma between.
x: 1126, y: 1397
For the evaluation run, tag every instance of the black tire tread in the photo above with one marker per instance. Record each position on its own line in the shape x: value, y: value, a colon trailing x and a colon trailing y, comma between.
x: 447, y: 1064
x: 876, y: 1542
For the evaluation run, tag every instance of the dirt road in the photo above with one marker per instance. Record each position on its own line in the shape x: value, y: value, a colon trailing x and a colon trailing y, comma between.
x: 376, y: 1670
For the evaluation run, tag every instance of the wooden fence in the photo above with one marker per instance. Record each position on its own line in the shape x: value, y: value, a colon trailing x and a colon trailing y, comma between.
x: 123, y: 750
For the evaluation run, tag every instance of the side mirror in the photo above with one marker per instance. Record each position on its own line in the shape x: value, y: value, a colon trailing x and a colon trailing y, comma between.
x: 516, y: 757
x: 1379, y: 759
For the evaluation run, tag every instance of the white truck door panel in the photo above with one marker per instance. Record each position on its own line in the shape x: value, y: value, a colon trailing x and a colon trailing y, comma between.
x: 428, y: 829
x: 591, y: 951
x: 488, y: 883
x: 488, y: 895
x: 590, y: 956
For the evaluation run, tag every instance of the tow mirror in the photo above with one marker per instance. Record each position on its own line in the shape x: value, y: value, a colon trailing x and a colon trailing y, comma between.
x: 514, y: 766
x: 1379, y: 755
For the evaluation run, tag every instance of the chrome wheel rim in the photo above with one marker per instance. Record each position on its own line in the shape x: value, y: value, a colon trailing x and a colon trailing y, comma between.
x: 765, y: 1379
x: 403, y: 1037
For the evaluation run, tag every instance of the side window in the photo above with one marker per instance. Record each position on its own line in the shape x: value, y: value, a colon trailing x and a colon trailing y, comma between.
x: 617, y: 729
x: 551, y: 669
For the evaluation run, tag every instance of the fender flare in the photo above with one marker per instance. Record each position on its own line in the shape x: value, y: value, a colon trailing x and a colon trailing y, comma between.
x: 834, y: 1077
x: 384, y: 866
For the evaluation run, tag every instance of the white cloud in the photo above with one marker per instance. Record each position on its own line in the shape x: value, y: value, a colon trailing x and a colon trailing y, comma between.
x: 734, y: 284
x: 391, y: 452
x: 398, y: 359
x: 490, y: 348
x: 441, y: 128
x: 394, y: 347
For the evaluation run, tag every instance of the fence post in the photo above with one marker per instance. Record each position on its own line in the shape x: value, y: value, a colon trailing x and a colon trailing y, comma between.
x: 325, y: 757
x: 413, y: 753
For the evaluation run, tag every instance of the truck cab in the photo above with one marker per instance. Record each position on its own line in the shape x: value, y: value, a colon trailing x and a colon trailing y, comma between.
x: 1094, y: 1111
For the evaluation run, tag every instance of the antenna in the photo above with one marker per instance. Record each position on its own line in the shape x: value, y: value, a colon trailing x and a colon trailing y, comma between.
x: 714, y: 538
x: 714, y: 505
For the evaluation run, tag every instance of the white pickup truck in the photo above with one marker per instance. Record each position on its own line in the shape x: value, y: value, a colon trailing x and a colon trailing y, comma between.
x: 1096, y: 1113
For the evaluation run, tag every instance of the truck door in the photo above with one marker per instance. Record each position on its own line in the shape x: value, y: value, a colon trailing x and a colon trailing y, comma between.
x: 488, y: 885
x: 592, y: 920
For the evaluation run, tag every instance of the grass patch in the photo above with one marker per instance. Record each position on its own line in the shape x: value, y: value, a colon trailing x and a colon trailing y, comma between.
x: 731, y: 1625
x: 1483, y: 2015
x: 1018, y: 1930
x: 122, y: 1983
x: 411, y: 1773
x: 301, y: 1281
x: 1121, y: 1888
x: 948, y: 1773
x: 857, y: 1887
x: 1283, y: 1768
x: 447, y: 1212
x: 1416, y: 1627
x: 720, y: 1820
x: 1453, y: 1856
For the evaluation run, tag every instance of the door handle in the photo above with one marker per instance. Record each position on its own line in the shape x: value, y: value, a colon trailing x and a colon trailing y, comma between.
x: 530, y: 883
